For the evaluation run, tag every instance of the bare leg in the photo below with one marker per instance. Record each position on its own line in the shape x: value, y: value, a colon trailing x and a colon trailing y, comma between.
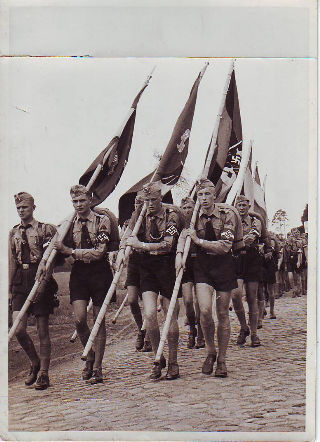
x: 80, y: 317
x: 173, y: 333
x: 100, y: 341
x: 45, y: 343
x: 238, y: 305
x: 223, y: 330
x: 204, y: 295
x: 251, y: 289
x: 133, y: 297
x: 150, y: 310
x: 261, y: 304
x: 24, y: 339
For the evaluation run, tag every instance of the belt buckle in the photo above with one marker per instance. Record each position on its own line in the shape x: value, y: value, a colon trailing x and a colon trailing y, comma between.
x: 25, y: 266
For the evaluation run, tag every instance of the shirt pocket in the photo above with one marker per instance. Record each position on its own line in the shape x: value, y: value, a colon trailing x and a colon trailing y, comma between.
x: 33, y: 240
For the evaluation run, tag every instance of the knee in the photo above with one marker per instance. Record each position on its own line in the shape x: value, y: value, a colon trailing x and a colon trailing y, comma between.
x: 223, y: 317
x: 206, y: 315
x: 151, y: 317
x: 236, y: 295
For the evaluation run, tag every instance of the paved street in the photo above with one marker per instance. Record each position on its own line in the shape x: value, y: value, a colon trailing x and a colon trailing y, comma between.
x: 265, y: 390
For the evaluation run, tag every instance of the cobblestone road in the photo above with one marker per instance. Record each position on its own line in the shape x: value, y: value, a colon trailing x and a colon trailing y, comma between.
x: 265, y: 390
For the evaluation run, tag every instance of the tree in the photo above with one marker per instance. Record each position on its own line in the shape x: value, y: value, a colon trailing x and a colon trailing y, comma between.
x: 279, y: 220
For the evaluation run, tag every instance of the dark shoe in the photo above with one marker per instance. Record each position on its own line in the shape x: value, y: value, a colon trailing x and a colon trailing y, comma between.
x: 265, y: 311
x: 97, y: 377
x: 255, y: 341
x: 32, y: 376
x: 243, y: 336
x: 192, y: 338
x: 173, y: 372
x: 221, y: 370
x: 259, y: 326
x: 42, y: 382
x: 273, y: 316
x: 200, y: 342
x: 157, y: 367
x: 140, y: 340
x: 207, y: 367
x: 87, y: 371
x: 147, y: 346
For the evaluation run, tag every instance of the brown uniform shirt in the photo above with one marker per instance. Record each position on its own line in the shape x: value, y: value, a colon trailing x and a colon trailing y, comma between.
x: 223, y: 221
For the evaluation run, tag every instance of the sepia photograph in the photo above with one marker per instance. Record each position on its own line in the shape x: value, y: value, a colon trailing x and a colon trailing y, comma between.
x: 159, y: 220
x: 158, y: 245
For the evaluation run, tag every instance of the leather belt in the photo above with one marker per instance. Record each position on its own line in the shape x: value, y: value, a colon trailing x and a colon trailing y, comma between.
x: 158, y: 253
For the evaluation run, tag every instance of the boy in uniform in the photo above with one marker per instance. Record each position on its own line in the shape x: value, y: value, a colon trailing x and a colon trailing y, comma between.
x: 91, y: 276
x: 213, y: 268
x: 156, y: 242
x: 249, y: 272
x: 27, y: 259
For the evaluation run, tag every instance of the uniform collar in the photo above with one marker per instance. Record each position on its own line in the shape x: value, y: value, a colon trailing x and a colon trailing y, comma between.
x: 159, y: 214
x: 246, y: 220
x: 90, y: 217
x: 32, y: 223
x: 213, y: 212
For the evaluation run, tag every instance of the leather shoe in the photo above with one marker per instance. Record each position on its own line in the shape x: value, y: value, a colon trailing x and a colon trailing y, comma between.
x: 243, y: 336
x: 221, y: 370
x: 97, y: 377
x: 273, y: 316
x: 140, y: 339
x: 192, y: 338
x: 157, y: 367
x: 207, y: 367
x: 173, y: 371
x: 32, y: 376
x: 200, y: 342
x: 88, y: 370
x: 42, y: 382
x: 255, y: 341
x: 147, y: 346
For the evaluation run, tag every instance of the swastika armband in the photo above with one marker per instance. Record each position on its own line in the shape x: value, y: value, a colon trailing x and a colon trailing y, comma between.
x: 228, y: 235
x: 172, y: 230
x: 103, y: 237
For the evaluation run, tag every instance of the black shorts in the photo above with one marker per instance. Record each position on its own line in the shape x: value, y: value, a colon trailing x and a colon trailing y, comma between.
x: 215, y: 270
x: 90, y: 280
x: 249, y: 266
x: 22, y: 284
x: 188, y: 274
x: 269, y: 271
x: 157, y: 274
x: 133, y: 270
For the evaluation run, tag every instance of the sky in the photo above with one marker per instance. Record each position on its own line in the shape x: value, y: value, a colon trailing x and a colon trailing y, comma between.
x: 61, y: 112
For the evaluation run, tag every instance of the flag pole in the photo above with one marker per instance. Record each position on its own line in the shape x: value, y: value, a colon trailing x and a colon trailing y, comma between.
x: 117, y: 274
x: 237, y: 185
x: 62, y: 232
x: 206, y: 168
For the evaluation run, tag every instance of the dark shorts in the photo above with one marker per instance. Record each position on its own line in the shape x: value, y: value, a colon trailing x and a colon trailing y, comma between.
x: 157, y: 274
x: 249, y: 266
x: 188, y: 274
x: 215, y: 270
x: 133, y: 270
x: 22, y: 284
x: 90, y: 280
x: 269, y: 270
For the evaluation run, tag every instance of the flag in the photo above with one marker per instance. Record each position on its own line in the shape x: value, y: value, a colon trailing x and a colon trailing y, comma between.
x: 113, y: 158
x: 259, y: 197
x: 248, y: 182
x: 172, y: 161
x: 225, y: 163
x: 126, y: 201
